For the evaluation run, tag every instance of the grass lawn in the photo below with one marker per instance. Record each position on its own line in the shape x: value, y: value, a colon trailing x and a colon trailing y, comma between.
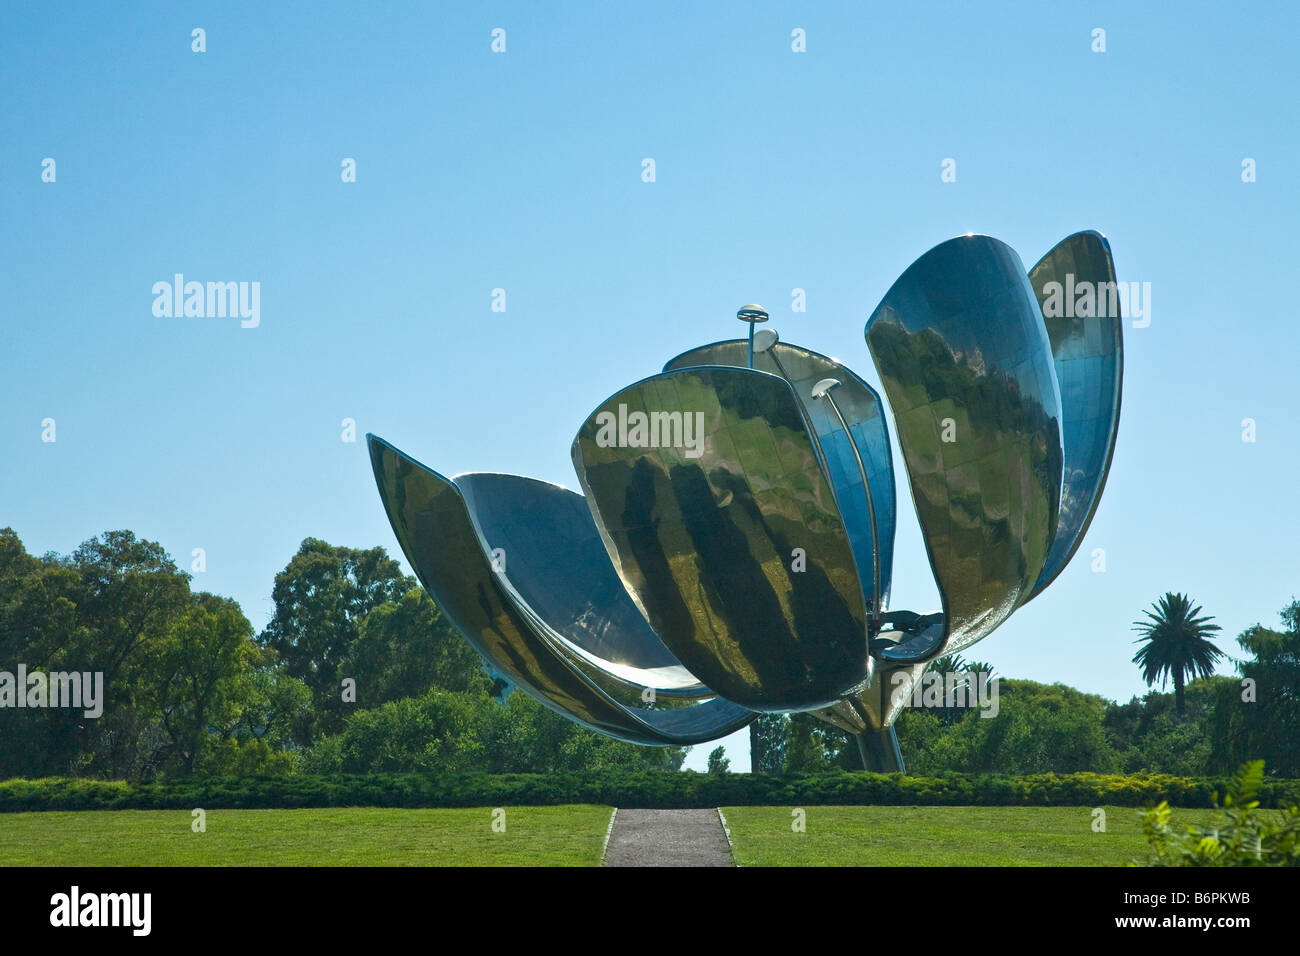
x: 544, y: 836
x: 941, y: 836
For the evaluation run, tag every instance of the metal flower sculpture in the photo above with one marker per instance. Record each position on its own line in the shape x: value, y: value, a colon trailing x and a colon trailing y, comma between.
x: 734, y: 549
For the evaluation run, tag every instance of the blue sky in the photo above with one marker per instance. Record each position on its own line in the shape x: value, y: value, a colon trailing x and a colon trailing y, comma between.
x: 521, y: 170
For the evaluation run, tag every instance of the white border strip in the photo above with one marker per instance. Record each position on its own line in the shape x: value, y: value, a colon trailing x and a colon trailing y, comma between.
x: 604, y: 847
x: 727, y: 830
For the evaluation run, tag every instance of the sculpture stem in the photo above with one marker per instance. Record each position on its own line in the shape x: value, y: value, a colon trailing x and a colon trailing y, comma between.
x: 880, y: 752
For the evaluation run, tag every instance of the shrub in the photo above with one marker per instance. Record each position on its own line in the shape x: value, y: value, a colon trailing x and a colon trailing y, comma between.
x: 1246, y: 836
x: 624, y: 788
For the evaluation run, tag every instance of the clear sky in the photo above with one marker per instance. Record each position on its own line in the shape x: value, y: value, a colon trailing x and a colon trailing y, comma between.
x: 522, y: 171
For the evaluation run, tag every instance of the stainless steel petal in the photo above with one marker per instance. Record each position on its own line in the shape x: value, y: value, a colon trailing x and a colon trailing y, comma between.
x: 862, y: 409
x: 440, y: 540
x: 962, y: 352
x: 1076, y: 291
x: 703, y: 523
x: 552, y: 559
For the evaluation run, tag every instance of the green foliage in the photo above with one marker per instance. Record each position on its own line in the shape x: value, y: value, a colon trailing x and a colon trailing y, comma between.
x: 461, y: 732
x: 1177, y: 644
x: 173, y: 660
x: 1258, y: 715
x: 189, y: 692
x: 814, y: 746
x: 321, y: 600
x: 1245, y: 836
x: 1039, y: 728
x: 768, y: 738
x: 252, y: 757
x: 193, y: 671
x: 265, y: 704
x: 439, y: 732
x: 406, y: 646
x: 628, y: 788
x: 109, y: 608
x: 718, y: 760
x: 955, y: 664
x: 1149, y: 734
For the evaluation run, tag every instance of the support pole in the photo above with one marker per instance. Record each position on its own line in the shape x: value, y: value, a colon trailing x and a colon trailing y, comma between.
x: 753, y: 314
x: 880, y: 752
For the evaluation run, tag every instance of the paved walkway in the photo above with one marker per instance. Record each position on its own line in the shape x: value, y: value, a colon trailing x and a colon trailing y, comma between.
x: 668, y: 838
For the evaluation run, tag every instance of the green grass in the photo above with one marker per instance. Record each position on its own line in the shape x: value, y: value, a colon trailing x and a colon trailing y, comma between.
x: 534, y: 836
x: 571, y: 836
x: 941, y: 836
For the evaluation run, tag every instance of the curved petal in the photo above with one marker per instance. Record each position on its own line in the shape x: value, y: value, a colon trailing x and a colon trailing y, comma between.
x: 862, y: 409
x: 703, y: 522
x: 1075, y: 286
x: 554, y: 563
x: 435, y: 529
x: 961, y: 349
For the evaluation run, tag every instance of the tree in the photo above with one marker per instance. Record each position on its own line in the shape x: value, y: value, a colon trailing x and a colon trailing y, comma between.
x: 36, y: 620
x: 196, y: 668
x: 1149, y: 735
x: 445, y: 731
x: 814, y: 746
x: 267, y: 703
x: 767, y: 743
x: 1040, y: 728
x: 955, y: 664
x: 1258, y: 715
x: 405, y: 647
x: 718, y: 761
x: 107, y: 608
x: 321, y: 598
x: 1177, y: 644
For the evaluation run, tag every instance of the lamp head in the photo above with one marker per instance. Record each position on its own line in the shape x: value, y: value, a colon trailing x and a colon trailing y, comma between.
x: 822, y: 388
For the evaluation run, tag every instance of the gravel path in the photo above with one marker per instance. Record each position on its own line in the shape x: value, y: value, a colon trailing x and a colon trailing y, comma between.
x: 668, y: 838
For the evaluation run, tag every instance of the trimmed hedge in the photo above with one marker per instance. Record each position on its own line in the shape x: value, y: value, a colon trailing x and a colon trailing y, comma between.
x: 650, y: 789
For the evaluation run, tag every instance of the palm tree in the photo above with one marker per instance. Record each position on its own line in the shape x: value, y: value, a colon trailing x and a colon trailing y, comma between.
x: 1178, y: 644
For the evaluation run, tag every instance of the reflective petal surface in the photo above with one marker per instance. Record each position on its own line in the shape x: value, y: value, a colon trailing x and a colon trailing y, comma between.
x: 861, y: 407
x: 962, y: 352
x: 703, y: 524
x: 442, y: 543
x: 1075, y: 287
x: 553, y: 561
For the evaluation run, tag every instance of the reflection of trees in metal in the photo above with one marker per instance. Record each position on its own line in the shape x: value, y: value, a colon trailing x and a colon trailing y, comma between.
x: 960, y: 337
x: 862, y: 409
x: 723, y: 527
x: 1088, y: 355
x: 742, y: 570
x: 438, y: 534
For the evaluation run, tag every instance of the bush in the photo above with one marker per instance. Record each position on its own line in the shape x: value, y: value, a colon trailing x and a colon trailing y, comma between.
x: 627, y: 788
x: 1245, y: 837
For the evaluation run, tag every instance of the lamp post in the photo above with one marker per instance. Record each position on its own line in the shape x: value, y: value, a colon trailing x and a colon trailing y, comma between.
x: 753, y: 314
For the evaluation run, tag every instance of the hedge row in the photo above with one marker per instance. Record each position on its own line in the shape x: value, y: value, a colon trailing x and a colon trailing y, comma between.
x: 623, y: 789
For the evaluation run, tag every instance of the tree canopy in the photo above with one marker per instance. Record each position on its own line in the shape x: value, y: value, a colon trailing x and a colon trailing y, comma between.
x: 357, y: 671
